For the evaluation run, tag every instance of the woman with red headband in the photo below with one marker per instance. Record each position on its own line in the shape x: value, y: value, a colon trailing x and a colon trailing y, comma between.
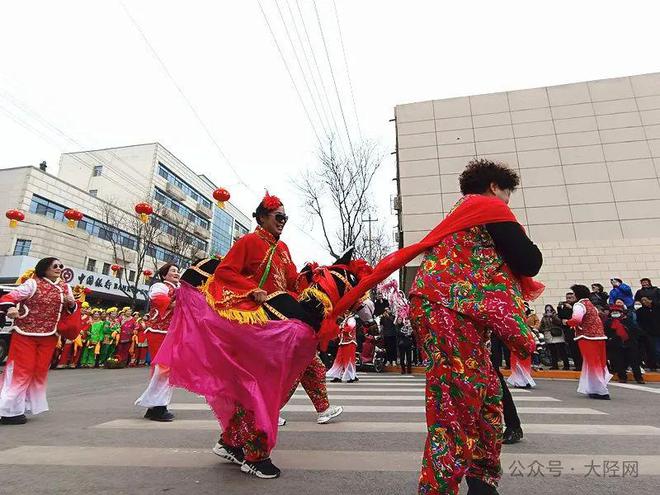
x: 246, y: 362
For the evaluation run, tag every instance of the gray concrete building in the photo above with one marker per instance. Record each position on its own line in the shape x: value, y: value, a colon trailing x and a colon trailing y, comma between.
x: 588, y: 155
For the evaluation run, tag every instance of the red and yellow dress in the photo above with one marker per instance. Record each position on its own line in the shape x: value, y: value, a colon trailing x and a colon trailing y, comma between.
x: 41, y: 304
x: 256, y: 261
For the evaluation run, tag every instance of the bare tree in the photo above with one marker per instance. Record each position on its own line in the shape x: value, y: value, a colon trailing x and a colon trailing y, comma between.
x: 336, y: 192
x: 132, y: 242
x: 375, y: 247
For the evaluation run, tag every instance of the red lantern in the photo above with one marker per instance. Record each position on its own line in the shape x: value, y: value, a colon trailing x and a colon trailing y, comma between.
x: 115, y: 268
x: 221, y: 196
x: 147, y: 275
x: 144, y: 210
x: 14, y: 217
x: 72, y: 217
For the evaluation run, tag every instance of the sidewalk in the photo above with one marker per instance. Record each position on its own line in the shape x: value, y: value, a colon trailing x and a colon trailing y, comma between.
x: 650, y: 377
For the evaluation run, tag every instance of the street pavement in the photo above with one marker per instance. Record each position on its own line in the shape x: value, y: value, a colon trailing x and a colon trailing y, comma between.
x: 94, y: 441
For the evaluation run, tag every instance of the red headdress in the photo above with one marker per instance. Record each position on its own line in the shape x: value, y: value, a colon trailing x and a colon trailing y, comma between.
x: 271, y: 202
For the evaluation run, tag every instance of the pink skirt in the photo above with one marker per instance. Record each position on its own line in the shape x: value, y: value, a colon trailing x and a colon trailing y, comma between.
x: 231, y: 363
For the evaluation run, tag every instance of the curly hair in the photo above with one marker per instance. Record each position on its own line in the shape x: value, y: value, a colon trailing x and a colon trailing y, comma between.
x: 480, y: 174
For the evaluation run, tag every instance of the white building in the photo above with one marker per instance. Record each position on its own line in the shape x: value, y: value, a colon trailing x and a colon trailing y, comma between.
x: 95, y: 182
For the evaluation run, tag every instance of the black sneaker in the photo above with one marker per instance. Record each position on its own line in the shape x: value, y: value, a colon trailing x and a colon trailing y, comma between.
x: 261, y: 469
x: 232, y: 454
x: 600, y: 396
x: 336, y: 380
x: 159, y: 413
x: 13, y: 420
x: 512, y: 435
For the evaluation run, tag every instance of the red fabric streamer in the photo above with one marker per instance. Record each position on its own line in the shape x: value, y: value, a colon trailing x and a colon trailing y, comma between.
x: 620, y: 329
x: 474, y: 210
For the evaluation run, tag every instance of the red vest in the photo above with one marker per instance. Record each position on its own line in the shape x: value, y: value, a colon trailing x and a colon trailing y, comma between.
x: 591, y: 327
x: 161, y: 312
x: 43, y: 310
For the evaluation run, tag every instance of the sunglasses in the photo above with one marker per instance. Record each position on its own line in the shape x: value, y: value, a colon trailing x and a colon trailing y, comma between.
x: 56, y: 266
x: 281, y: 218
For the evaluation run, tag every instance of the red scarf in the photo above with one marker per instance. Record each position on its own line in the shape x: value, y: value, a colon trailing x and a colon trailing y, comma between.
x: 620, y: 329
x: 474, y: 210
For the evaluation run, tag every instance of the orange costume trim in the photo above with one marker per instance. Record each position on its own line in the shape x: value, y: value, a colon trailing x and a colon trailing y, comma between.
x: 229, y: 289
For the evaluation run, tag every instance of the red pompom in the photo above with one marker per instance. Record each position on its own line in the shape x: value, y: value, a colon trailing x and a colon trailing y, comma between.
x: 360, y: 268
x: 271, y: 202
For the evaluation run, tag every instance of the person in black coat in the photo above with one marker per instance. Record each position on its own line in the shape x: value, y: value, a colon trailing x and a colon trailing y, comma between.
x: 404, y: 341
x: 648, y: 319
x: 388, y: 331
x: 599, y: 295
x: 622, y: 344
x: 648, y: 290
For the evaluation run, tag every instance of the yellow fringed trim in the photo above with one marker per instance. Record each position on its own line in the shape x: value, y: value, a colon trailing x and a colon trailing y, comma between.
x: 257, y: 317
x: 321, y: 297
x: 247, y: 317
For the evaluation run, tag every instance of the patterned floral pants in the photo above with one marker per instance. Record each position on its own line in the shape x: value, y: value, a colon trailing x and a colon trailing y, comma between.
x: 463, y: 401
x: 313, y: 381
x: 242, y: 433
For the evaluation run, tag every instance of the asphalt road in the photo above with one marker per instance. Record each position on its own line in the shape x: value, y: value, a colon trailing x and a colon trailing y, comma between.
x: 94, y: 441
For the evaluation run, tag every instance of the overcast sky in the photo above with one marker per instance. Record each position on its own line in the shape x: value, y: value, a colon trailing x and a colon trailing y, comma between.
x: 84, y: 67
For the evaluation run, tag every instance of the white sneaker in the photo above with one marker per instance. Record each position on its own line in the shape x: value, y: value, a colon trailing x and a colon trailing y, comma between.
x: 281, y: 421
x: 329, y: 414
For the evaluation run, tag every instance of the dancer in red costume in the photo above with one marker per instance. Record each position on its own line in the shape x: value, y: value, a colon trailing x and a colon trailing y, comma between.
x: 162, y: 299
x: 343, y: 369
x: 72, y: 348
x: 472, y: 281
x: 591, y: 338
x: 36, y: 305
x: 241, y: 335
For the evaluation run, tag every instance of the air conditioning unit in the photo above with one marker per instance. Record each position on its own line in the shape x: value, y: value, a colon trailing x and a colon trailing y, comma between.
x: 204, y: 211
x: 173, y: 216
x: 202, y: 232
x: 175, y: 192
x: 396, y: 235
x: 396, y: 203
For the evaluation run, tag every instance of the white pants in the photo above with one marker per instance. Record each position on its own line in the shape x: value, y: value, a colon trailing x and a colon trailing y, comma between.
x: 159, y: 391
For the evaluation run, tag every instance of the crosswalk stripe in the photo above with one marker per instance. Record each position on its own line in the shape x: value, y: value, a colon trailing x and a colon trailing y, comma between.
x: 400, y: 409
x: 419, y: 398
x: 632, y: 386
x: 352, y: 388
x: 308, y: 460
x: 384, y: 427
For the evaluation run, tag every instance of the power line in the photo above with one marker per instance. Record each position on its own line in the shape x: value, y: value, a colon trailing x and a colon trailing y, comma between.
x: 304, y: 77
x: 318, y: 71
x: 334, y: 81
x: 201, y: 122
x: 331, y: 123
x: 348, y: 73
x: 286, y: 65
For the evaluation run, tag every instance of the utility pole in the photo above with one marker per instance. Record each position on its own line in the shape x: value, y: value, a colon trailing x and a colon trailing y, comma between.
x: 370, y: 221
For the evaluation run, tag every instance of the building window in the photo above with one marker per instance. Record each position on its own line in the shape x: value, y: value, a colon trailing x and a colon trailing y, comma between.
x: 131, y: 276
x: 94, y: 192
x: 22, y: 247
x: 91, y: 265
x: 171, y: 177
x: 106, y: 269
x: 180, y: 208
x: 98, y: 171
